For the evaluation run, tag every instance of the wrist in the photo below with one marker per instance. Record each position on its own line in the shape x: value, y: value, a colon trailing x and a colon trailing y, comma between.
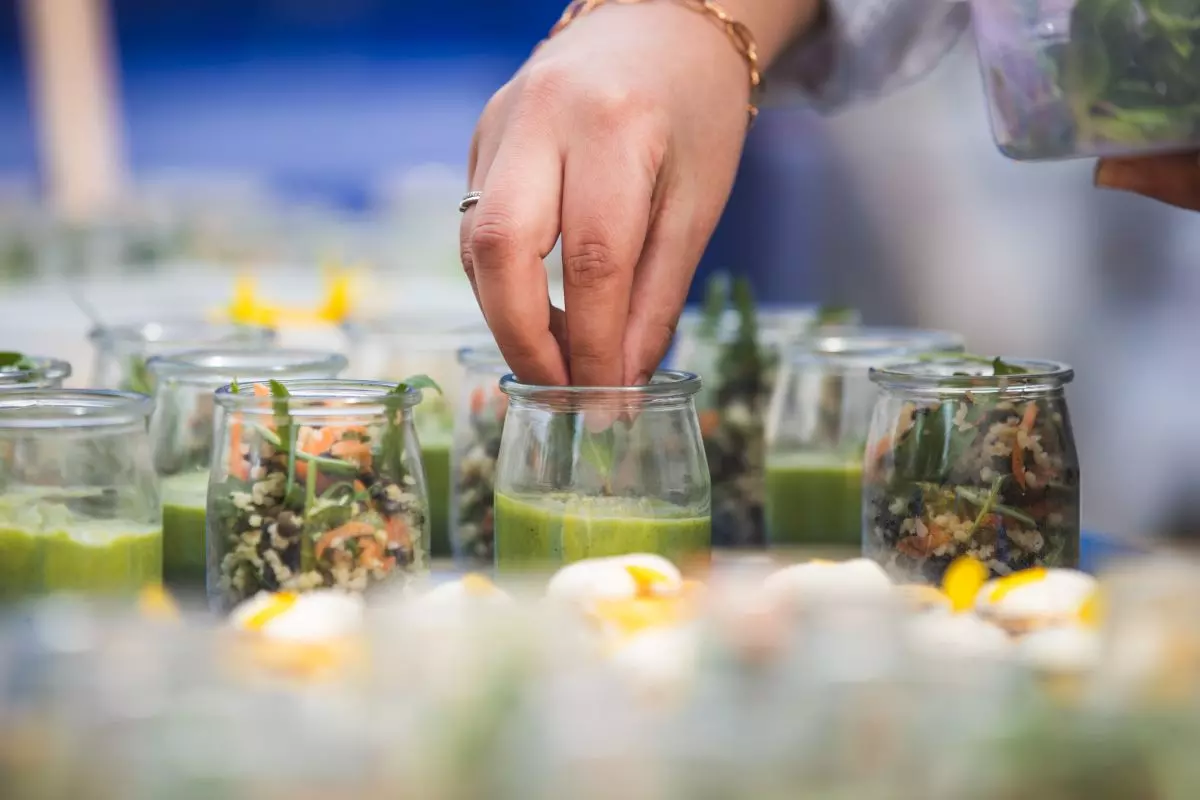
x: 775, y: 24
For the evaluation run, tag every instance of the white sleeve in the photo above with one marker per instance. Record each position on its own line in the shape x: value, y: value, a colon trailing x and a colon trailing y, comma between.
x: 865, y: 48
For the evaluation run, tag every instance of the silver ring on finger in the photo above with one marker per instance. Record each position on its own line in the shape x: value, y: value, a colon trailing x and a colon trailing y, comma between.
x: 469, y: 199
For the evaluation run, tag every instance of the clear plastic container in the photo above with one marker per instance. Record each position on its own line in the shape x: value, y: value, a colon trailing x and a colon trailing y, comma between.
x: 738, y: 357
x: 478, y: 425
x: 391, y: 350
x: 18, y: 372
x: 181, y: 435
x: 323, y: 487
x: 1072, y: 78
x: 79, y: 504
x: 586, y: 472
x: 971, y: 457
x: 122, y: 350
x: 817, y: 430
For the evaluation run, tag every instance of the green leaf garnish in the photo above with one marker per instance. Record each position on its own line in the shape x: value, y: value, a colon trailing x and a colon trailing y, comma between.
x: 284, y: 427
x: 834, y: 315
x: 15, y: 361
x: 234, y: 388
x: 599, y: 450
x: 999, y: 366
x: 392, y: 445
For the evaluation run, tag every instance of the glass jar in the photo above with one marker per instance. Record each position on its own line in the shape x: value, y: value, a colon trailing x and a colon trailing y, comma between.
x: 974, y: 457
x: 478, y: 425
x: 323, y: 487
x: 817, y: 430
x: 392, y: 349
x: 738, y: 358
x: 32, y: 372
x: 586, y: 472
x: 79, y: 505
x: 181, y: 436
x: 122, y: 350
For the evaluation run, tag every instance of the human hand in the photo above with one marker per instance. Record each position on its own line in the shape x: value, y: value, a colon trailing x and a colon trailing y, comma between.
x: 1173, y: 179
x: 623, y: 132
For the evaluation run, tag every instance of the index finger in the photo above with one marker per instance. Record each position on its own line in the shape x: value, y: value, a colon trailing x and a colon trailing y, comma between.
x: 513, y: 226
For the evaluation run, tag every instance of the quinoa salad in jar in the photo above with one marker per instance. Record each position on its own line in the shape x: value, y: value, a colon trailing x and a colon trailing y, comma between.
x: 315, y: 484
x: 971, y: 457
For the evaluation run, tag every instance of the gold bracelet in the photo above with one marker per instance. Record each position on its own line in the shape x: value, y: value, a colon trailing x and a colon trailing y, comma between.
x: 738, y: 33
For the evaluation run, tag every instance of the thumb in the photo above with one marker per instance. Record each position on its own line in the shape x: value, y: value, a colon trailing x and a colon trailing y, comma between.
x: 1173, y: 179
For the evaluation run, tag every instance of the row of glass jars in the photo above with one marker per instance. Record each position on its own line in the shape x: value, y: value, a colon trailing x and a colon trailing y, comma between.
x: 574, y: 489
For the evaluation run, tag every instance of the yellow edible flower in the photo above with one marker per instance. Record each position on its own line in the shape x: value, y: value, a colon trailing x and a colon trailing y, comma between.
x: 1016, y: 580
x: 1091, y: 611
x: 477, y: 585
x: 962, y: 582
x: 156, y: 602
x: 276, y: 606
x: 336, y: 306
x: 648, y: 580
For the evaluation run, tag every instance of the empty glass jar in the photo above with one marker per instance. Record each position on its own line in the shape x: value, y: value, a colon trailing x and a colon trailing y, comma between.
x: 122, y: 350
x: 390, y: 350
x: 817, y: 430
x: 478, y: 425
x: 315, y: 483
x: 19, y: 372
x: 79, y: 505
x: 181, y: 434
x: 737, y: 355
x: 585, y: 472
x: 971, y: 457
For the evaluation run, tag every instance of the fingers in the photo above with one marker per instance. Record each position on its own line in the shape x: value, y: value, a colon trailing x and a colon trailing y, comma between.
x: 1171, y: 179
x: 606, y: 207
x: 506, y: 235
x: 660, y: 287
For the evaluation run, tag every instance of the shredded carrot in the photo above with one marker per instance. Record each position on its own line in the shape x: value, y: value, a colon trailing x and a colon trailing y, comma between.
x: 709, y: 420
x: 261, y: 390
x: 1018, y: 452
x: 354, y: 451
x: 477, y: 401
x: 397, y: 532
x: 237, y: 464
x: 350, y: 530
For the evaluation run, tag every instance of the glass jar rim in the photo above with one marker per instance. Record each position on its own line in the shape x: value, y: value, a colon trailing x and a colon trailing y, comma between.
x: 225, y: 365
x: 665, y: 384
x: 320, y: 397
x: 482, y: 356
x: 72, y: 408
x: 196, y: 331
x: 851, y: 344
x: 956, y: 372
x: 773, y: 319
x: 42, y: 371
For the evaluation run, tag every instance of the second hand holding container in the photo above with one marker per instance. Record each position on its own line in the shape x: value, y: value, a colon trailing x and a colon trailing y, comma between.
x: 316, y: 484
x: 586, y: 472
x: 181, y: 434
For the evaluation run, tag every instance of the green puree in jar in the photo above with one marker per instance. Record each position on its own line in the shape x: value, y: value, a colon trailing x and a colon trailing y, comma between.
x: 814, y: 498
x: 560, y: 528
x: 184, y: 499
x: 106, y: 557
x: 436, y: 458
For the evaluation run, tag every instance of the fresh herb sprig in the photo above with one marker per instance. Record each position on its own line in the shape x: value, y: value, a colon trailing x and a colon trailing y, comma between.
x: 392, y: 446
x: 15, y: 362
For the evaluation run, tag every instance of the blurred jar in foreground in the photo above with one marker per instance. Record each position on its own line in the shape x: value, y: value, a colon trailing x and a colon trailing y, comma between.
x: 21, y: 372
x: 181, y: 435
x: 315, y: 484
x: 585, y: 472
x: 389, y: 350
x: 817, y: 430
x: 736, y: 349
x: 123, y: 350
x: 1087, y: 78
x: 478, y: 425
x: 79, y: 506
x: 971, y: 456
